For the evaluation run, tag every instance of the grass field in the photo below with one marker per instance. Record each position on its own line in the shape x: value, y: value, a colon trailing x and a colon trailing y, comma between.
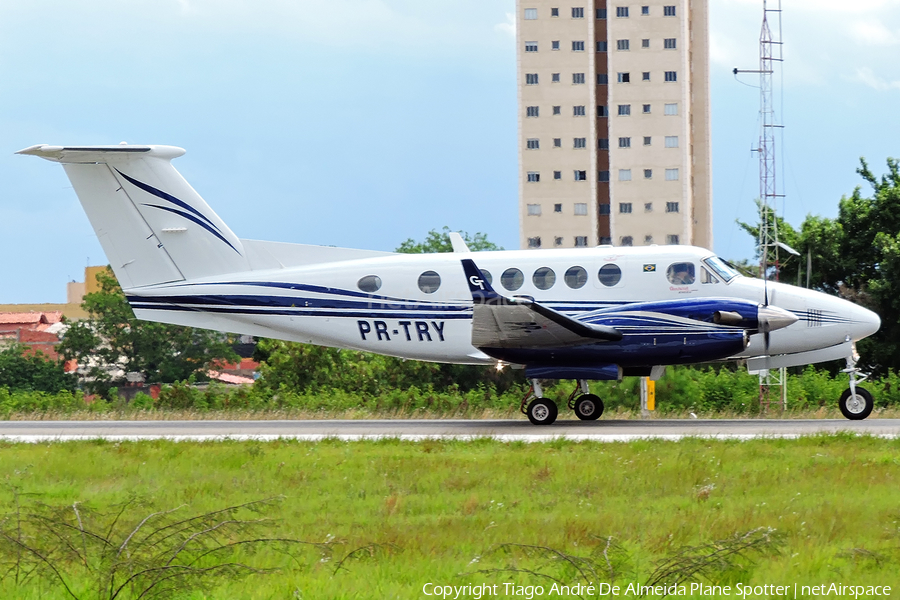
x: 439, y: 511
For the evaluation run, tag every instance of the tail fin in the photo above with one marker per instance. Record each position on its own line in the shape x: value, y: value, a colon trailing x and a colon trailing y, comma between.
x: 153, y: 226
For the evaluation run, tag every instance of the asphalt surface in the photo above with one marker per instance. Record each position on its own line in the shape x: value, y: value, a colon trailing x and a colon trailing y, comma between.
x: 507, y: 430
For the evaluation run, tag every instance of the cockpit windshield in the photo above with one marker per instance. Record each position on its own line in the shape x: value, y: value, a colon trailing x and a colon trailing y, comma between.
x: 720, y: 268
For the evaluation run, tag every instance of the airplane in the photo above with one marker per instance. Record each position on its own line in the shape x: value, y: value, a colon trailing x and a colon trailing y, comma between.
x: 586, y: 314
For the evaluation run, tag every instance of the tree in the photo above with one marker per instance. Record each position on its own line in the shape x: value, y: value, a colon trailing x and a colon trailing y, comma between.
x: 439, y: 241
x: 33, y: 372
x: 857, y: 256
x: 112, y: 342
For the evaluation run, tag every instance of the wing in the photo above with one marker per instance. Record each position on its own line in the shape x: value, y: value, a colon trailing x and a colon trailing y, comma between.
x: 501, y: 322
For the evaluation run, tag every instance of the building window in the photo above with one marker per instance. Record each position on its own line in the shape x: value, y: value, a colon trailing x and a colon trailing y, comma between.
x: 578, y: 111
x: 624, y: 142
x: 533, y: 144
x: 580, y: 241
x: 648, y: 207
x: 578, y: 13
x: 532, y: 111
x: 625, y: 208
x: 645, y: 43
x: 669, y: 43
x: 531, y: 78
x: 557, y: 175
x: 580, y: 142
x: 621, y: 44
x: 602, y: 46
x: 645, y: 10
x: 557, y: 208
x: 603, y: 209
x: 605, y: 241
x: 645, y: 76
x: 577, y: 78
x: 557, y: 241
x: 625, y: 175
x: 554, y: 12
x: 671, y: 207
x: 622, y: 11
x: 557, y: 110
x: 624, y: 77
x: 672, y: 238
x: 604, y: 177
x: 648, y: 173
x: 626, y: 240
x: 668, y: 11
x: 557, y: 142
x: 602, y: 111
x: 530, y: 14
x: 603, y: 143
x: 648, y: 239
x: 580, y: 175
x: 624, y: 110
x: 671, y: 76
x: 601, y: 13
x: 530, y: 46
x: 533, y: 177
x: 602, y: 79
x: 671, y: 141
x: 534, y: 210
x: 533, y: 242
x: 577, y: 46
x: 647, y: 140
x: 581, y: 208
x: 671, y: 109
x: 671, y: 174
x: 554, y: 45
x: 554, y: 78
x: 646, y: 109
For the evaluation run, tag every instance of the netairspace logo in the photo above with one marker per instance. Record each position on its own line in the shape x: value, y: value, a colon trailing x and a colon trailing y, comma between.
x: 739, y: 590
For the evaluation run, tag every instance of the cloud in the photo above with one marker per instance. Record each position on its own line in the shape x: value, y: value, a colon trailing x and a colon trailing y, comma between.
x: 866, y: 76
x: 509, y: 26
x: 873, y: 33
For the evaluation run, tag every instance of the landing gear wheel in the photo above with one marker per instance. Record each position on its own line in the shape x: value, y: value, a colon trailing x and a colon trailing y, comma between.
x: 588, y: 407
x: 542, y: 411
x: 856, y: 407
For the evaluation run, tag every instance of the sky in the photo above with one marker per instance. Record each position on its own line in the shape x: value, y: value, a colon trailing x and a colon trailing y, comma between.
x: 362, y: 123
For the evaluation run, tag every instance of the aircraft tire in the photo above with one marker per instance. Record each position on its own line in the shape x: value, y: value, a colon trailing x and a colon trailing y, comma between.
x: 856, y: 408
x: 588, y: 407
x: 542, y: 411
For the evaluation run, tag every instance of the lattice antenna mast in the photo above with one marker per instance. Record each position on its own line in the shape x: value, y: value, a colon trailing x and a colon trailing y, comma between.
x: 770, y: 52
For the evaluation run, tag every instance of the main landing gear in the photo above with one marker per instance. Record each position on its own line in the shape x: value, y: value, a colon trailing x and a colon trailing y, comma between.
x: 856, y: 403
x: 543, y: 411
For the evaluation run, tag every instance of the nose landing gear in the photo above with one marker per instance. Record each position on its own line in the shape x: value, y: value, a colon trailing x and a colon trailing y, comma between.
x: 856, y: 403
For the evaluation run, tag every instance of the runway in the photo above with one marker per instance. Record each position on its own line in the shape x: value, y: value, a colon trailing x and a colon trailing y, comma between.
x: 504, y: 430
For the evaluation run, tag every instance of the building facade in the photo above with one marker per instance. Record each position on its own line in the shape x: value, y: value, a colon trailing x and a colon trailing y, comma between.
x: 614, y: 139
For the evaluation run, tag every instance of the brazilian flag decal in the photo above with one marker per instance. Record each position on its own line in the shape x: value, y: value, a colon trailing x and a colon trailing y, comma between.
x: 649, y: 268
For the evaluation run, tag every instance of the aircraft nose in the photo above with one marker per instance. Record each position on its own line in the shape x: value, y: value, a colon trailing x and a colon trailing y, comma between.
x: 863, y: 323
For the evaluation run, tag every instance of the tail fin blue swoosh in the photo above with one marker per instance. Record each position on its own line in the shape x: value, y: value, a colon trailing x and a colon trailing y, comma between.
x: 481, y: 290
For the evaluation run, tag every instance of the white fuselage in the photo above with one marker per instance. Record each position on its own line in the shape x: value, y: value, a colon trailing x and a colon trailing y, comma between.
x: 323, y: 303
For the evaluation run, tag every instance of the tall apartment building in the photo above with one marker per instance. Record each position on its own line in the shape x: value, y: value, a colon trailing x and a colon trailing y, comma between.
x: 614, y: 141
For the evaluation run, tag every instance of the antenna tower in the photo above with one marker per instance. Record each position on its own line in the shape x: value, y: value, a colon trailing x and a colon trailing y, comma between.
x: 770, y: 53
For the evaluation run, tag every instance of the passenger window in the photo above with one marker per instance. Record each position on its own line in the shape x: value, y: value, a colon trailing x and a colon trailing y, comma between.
x: 370, y: 283
x: 576, y: 277
x: 512, y: 279
x: 487, y: 276
x: 429, y: 282
x: 610, y: 275
x: 681, y: 273
x: 707, y: 277
x: 544, y: 278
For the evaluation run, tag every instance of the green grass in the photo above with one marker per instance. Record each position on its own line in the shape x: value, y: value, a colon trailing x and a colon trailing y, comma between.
x: 439, y: 509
